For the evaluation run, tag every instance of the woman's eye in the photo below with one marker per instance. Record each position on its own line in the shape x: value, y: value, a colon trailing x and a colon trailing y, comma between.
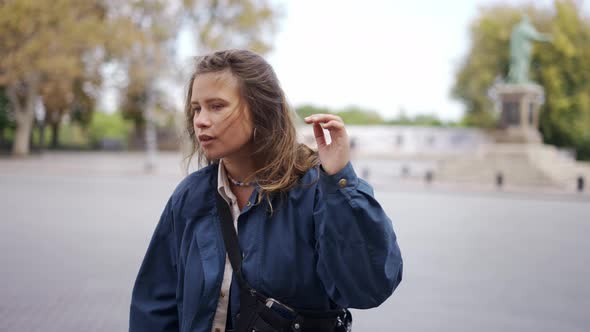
x: 196, y: 109
x: 216, y: 107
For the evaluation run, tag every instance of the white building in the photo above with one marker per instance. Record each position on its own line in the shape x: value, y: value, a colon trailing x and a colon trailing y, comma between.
x: 455, y: 155
x: 402, y: 142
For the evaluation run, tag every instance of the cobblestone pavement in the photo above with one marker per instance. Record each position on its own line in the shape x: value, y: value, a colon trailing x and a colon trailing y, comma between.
x: 74, y: 227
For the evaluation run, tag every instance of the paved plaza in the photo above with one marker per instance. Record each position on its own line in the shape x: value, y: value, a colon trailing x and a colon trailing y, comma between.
x: 74, y: 228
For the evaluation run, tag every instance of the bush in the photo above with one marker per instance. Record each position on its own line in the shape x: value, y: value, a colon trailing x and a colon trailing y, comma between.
x: 109, y: 127
x: 5, y: 119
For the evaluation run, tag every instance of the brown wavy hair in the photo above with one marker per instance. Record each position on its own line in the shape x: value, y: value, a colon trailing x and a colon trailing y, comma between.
x: 279, y: 159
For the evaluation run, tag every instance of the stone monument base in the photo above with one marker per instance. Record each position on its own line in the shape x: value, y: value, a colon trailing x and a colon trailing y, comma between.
x: 519, y: 112
x: 516, y: 135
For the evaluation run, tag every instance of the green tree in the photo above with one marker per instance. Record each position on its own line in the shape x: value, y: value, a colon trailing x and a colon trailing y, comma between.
x: 108, y: 126
x: 429, y: 120
x: 357, y: 116
x: 304, y: 111
x: 565, y: 74
x: 148, y: 60
x: 55, y: 48
x: 219, y: 24
x: 561, y: 67
x: 234, y: 23
x: 85, y: 93
x: 350, y: 115
x: 75, y: 95
x: 5, y: 119
x: 46, y: 46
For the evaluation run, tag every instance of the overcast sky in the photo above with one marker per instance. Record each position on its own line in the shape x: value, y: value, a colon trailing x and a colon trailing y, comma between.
x: 383, y: 55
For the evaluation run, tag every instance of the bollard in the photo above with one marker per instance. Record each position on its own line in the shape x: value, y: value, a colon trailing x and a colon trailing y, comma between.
x: 405, y: 171
x: 352, y: 143
x: 428, y: 177
x: 366, y: 173
x: 580, y: 184
x: 499, y: 180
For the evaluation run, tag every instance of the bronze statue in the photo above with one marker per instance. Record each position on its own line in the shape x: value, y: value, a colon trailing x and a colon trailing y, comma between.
x: 523, y: 34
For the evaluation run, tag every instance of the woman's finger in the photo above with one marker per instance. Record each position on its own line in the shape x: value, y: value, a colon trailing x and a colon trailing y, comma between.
x: 322, y: 118
x: 318, y: 132
x: 334, y: 125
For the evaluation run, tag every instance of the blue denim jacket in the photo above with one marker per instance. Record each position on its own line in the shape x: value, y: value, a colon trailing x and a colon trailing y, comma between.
x: 328, y: 242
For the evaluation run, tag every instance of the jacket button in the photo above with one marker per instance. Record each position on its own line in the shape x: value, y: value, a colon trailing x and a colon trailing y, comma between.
x: 342, y: 183
x: 222, y: 294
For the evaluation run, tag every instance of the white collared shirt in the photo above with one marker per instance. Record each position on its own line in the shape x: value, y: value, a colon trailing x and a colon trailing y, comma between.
x: 224, y: 190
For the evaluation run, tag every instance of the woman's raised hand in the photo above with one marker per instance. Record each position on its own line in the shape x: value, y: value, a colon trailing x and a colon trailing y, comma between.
x: 333, y: 156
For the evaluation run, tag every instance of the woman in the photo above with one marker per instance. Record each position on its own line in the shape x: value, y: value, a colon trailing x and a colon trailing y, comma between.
x: 311, y: 233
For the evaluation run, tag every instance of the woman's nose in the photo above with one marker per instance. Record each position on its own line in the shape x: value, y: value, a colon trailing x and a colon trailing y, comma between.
x: 201, y: 120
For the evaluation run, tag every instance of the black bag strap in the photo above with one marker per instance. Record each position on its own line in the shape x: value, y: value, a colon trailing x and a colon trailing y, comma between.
x: 230, y: 239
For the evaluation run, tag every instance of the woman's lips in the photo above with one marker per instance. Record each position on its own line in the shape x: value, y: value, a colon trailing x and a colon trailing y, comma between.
x: 205, y: 140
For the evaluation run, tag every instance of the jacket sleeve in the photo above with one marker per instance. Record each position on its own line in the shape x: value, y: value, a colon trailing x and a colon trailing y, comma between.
x: 153, y: 301
x: 359, y: 261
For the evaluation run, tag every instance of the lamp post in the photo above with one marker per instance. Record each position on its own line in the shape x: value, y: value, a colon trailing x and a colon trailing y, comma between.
x: 151, y: 143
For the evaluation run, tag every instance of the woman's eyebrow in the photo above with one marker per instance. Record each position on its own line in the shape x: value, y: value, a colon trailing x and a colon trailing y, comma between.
x: 209, y: 100
x: 215, y: 99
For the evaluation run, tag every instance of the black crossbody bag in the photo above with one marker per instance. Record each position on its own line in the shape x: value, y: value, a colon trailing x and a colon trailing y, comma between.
x: 259, y: 313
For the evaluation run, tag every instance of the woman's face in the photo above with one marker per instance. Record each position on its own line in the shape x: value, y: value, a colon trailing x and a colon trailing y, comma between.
x: 221, y: 120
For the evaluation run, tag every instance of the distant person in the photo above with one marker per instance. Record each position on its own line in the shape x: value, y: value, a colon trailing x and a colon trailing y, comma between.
x: 313, y: 241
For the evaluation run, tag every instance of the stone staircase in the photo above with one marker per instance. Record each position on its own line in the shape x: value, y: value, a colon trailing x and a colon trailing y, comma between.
x: 520, y: 165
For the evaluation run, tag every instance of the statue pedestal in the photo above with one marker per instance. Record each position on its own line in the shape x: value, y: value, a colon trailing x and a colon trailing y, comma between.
x: 519, y: 112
